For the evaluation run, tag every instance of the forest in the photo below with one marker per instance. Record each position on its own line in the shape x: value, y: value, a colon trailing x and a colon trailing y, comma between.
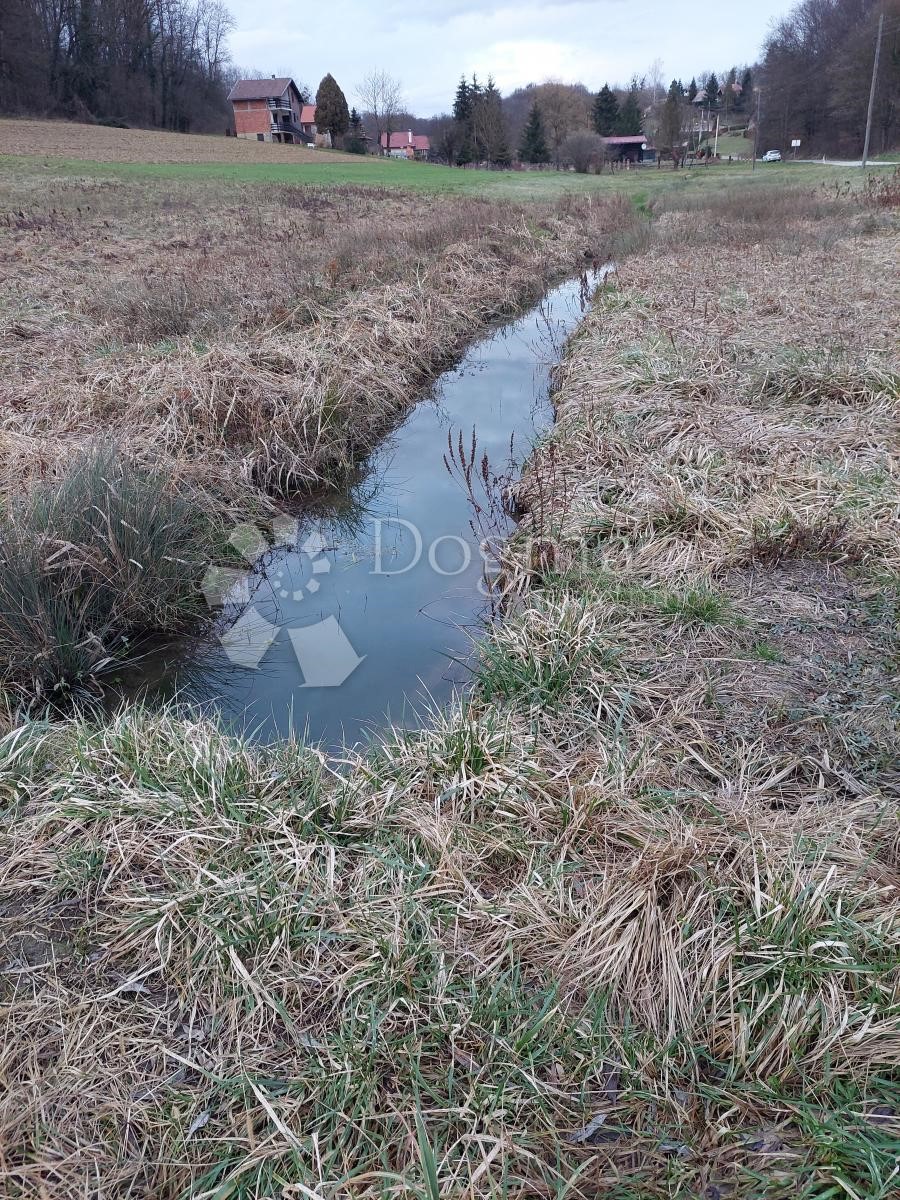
x: 816, y: 68
x: 155, y: 63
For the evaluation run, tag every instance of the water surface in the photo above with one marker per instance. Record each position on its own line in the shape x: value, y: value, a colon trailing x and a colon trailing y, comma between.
x: 369, y: 611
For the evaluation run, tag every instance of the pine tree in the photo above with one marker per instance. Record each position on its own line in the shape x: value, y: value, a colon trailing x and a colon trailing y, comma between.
x: 479, y: 117
x: 462, y: 104
x: 489, y: 125
x: 630, y: 114
x: 712, y: 90
x: 354, y: 142
x: 332, y: 114
x: 605, y: 116
x: 692, y: 90
x: 533, y: 147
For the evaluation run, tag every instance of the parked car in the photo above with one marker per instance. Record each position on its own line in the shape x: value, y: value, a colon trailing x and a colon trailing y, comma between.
x: 772, y: 156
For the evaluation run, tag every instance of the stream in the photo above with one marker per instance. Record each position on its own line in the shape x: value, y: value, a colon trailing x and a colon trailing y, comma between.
x: 363, y: 612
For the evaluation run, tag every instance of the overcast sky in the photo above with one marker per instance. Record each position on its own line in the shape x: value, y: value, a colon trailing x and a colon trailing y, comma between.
x: 427, y: 44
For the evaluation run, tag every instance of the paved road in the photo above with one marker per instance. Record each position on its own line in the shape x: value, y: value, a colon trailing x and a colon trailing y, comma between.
x: 840, y: 162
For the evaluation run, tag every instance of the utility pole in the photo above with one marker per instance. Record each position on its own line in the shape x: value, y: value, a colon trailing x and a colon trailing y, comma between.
x: 756, y: 130
x: 872, y: 89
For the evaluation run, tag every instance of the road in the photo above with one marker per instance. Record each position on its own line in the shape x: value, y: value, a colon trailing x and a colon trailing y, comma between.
x: 841, y: 162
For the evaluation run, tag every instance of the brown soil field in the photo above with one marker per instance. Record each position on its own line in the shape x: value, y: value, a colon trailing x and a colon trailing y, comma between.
x: 65, y: 139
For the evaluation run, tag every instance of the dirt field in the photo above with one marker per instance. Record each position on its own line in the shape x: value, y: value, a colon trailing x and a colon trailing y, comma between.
x: 63, y: 139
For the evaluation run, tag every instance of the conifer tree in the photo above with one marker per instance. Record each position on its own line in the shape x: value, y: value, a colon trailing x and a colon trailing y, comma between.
x: 630, y: 120
x: 712, y: 90
x: 354, y: 142
x: 605, y: 115
x: 533, y: 147
x: 462, y: 104
x: 746, y: 88
x: 332, y: 113
x: 489, y: 125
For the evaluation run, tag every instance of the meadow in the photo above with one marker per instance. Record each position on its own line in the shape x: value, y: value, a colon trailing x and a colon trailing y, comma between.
x: 625, y: 918
x: 69, y: 151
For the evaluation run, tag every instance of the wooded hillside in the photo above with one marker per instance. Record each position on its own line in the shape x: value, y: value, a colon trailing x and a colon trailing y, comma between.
x: 158, y: 63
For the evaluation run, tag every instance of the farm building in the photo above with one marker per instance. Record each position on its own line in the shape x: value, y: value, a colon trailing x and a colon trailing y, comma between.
x: 632, y: 148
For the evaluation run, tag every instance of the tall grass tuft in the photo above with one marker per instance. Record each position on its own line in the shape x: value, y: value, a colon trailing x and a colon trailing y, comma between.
x: 90, y: 563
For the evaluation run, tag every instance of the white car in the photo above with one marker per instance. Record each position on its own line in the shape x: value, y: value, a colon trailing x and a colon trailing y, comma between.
x: 772, y: 156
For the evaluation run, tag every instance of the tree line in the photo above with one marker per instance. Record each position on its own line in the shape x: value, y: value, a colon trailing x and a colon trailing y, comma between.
x: 158, y: 63
x: 165, y: 64
x: 816, y: 70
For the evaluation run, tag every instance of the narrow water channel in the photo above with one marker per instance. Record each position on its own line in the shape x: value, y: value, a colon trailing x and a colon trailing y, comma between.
x: 367, y: 610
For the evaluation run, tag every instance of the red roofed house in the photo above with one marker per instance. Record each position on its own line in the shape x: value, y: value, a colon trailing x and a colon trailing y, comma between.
x: 271, y: 110
x: 308, y: 120
x: 406, y: 145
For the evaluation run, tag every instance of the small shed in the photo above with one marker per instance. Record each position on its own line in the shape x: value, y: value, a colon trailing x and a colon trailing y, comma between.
x: 632, y: 147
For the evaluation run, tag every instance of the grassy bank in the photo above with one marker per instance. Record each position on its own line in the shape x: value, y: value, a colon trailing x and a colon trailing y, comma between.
x: 239, y: 346
x: 92, y: 564
x: 624, y: 921
x: 260, y: 345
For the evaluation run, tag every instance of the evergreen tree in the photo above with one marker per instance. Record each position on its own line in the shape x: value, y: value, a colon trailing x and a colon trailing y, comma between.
x: 462, y: 104
x: 605, y: 115
x: 533, y: 147
x: 354, y: 142
x: 746, y: 89
x: 332, y: 113
x: 489, y: 125
x: 630, y: 114
x: 692, y: 90
x: 712, y: 90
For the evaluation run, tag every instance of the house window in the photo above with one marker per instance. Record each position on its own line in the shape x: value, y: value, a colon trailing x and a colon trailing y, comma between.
x: 260, y: 137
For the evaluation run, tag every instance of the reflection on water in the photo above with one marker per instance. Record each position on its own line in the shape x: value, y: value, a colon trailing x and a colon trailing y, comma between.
x: 370, y: 607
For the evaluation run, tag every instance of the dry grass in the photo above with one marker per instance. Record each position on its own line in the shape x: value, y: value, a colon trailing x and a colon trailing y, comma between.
x: 259, y: 349
x: 69, y: 139
x: 625, y: 922
x: 92, y: 564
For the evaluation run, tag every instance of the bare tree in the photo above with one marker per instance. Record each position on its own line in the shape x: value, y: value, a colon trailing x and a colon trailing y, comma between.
x: 564, y: 108
x: 143, y: 62
x: 583, y: 150
x: 446, y: 137
x: 655, y: 84
x: 381, y: 96
x: 674, y: 119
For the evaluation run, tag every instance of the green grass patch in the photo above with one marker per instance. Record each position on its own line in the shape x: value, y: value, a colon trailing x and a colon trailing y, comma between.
x: 91, y: 563
x: 419, y: 177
